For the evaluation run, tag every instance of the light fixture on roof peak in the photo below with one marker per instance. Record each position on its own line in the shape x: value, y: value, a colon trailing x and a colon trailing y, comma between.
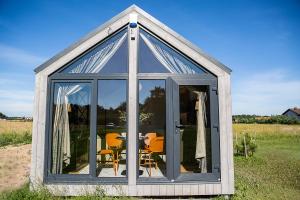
x: 133, y: 20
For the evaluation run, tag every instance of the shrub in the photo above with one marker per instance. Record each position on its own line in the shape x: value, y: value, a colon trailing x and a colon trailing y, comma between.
x: 246, y: 146
x: 274, y: 119
x: 15, y: 138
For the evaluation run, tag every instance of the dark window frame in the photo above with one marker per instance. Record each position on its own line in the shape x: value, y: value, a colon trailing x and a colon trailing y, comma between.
x: 79, y: 178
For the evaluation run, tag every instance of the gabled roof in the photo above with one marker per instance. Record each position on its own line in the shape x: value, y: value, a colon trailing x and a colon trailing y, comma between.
x: 294, y: 110
x: 106, y: 25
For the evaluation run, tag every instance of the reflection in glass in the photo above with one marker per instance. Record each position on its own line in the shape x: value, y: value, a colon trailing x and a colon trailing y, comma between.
x: 195, y: 146
x: 71, y: 128
x: 152, y: 128
x: 111, y: 128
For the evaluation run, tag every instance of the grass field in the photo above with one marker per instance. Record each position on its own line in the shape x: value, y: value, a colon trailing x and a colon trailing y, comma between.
x: 274, y: 170
x: 272, y: 173
x: 15, y: 132
x: 7, y: 126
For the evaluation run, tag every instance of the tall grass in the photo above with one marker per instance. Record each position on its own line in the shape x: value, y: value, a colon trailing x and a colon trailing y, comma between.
x: 267, y: 131
x: 26, y: 194
x: 15, y: 132
x: 9, y: 126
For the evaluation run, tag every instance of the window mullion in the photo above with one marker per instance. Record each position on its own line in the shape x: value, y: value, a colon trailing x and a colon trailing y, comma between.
x: 93, y: 130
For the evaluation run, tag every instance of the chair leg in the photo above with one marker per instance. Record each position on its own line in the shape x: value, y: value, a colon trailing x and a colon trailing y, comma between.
x: 140, y: 153
x: 117, y: 161
x: 115, y: 168
x: 150, y: 163
x: 114, y: 163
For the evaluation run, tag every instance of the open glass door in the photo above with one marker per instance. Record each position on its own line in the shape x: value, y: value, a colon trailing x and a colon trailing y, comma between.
x: 196, y: 133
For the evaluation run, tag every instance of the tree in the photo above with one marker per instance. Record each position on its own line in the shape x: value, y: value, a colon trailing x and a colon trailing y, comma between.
x: 2, y: 116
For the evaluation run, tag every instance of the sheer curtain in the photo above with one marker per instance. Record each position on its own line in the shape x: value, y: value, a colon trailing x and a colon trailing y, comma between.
x: 95, y: 60
x: 170, y: 59
x: 200, y: 154
x: 61, y: 153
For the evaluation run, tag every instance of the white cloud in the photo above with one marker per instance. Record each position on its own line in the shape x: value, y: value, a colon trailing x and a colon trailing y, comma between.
x: 16, y: 94
x: 265, y: 93
x: 14, y: 55
x: 14, y: 102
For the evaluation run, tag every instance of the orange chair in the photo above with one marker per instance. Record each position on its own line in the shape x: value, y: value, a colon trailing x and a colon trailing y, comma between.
x: 114, y: 145
x: 156, y: 146
x: 148, y: 138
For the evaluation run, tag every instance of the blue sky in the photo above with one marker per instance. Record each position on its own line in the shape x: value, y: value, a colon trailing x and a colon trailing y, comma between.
x: 258, y: 40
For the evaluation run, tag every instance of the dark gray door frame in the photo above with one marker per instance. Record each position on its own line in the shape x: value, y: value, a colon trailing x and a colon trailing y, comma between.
x: 214, y: 128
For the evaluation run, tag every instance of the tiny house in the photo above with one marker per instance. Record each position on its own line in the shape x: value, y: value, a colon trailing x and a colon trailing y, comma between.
x: 133, y: 109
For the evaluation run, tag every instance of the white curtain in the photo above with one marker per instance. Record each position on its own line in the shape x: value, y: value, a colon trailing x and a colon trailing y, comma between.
x: 91, y: 63
x: 167, y: 57
x: 200, y: 154
x: 61, y: 133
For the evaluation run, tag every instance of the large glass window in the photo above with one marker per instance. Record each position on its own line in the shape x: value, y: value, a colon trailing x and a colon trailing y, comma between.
x: 110, y: 56
x: 195, y: 143
x: 157, y: 57
x: 152, y: 128
x: 111, y: 128
x: 71, y: 128
x: 170, y: 111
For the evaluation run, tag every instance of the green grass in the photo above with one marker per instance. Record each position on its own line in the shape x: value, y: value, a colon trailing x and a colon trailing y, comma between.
x: 274, y: 170
x: 272, y: 173
x: 14, y: 138
x: 25, y: 194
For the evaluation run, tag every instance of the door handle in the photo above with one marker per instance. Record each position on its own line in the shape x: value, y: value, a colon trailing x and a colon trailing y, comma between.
x: 180, y: 126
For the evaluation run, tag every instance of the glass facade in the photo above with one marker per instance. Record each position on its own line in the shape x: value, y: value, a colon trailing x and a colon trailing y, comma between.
x: 89, y: 113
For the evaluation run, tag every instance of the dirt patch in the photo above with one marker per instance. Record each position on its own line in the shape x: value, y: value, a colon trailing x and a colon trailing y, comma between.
x: 14, y: 166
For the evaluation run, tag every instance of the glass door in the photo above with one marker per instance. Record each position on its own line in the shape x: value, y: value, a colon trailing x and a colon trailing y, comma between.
x: 196, y: 134
x: 152, y: 156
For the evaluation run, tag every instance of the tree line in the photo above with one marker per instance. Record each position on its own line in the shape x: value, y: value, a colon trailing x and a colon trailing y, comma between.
x: 273, y: 119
